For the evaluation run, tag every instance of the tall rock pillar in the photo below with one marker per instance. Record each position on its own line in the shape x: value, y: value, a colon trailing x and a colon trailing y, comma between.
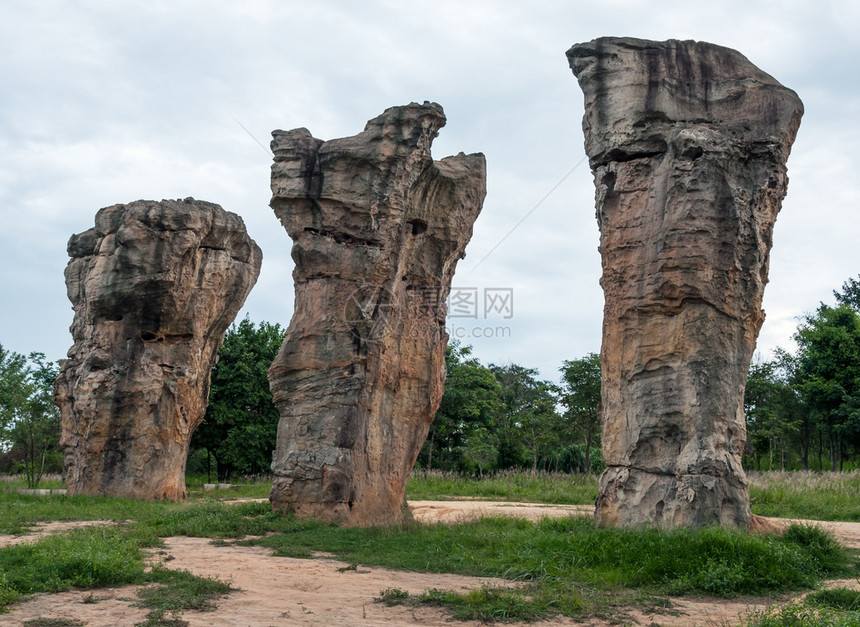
x: 688, y: 143
x: 154, y: 287
x: 377, y: 229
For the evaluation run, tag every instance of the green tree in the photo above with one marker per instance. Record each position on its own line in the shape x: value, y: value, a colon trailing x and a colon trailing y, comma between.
x: 580, y: 396
x: 528, y: 422
x: 13, y: 394
x: 463, y: 433
x: 29, y: 420
x: 850, y: 294
x: 828, y: 373
x: 240, y: 426
x: 771, y: 409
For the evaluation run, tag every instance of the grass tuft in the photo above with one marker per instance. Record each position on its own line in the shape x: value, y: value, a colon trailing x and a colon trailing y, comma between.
x: 392, y: 596
x: 797, y: 615
x: 806, y: 494
x: 180, y: 590
x: 844, y: 599
x: 488, y: 604
x: 84, y: 558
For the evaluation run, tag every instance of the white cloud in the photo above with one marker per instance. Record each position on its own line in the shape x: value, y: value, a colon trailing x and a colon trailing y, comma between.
x: 108, y: 102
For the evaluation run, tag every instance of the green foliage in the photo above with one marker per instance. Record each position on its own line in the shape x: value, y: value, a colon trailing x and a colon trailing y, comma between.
x: 496, y: 418
x: 180, y: 590
x: 528, y: 424
x: 29, y: 420
x: 84, y: 558
x: 829, y: 374
x: 466, y: 416
x: 774, y: 410
x: 572, y: 550
x: 580, y: 395
x: 392, y: 596
x: 850, y: 294
x: 241, y: 421
x: 800, y: 406
x: 797, y: 615
x: 844, y: 599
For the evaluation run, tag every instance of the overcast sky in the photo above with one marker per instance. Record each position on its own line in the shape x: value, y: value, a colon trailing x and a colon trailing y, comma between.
x: 107, y: 102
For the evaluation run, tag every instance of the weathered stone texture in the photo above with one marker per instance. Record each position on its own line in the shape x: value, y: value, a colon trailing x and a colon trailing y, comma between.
x: 377, y: 229
x: 688, y: 143
x: 154, y: 287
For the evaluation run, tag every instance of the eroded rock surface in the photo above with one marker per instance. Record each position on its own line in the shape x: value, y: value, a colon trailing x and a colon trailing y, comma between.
x: 154, y: 287
x: 377, y: 229
x: 688, y: 143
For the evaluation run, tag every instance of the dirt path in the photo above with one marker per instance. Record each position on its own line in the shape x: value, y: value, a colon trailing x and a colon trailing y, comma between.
x: 287, y: 591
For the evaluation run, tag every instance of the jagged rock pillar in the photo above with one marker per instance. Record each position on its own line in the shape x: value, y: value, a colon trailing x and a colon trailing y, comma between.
x: 377, y: 229
x: 154, y: 287
x: 688, y: 143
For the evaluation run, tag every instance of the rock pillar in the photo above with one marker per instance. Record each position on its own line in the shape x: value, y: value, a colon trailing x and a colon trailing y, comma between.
x: 378, y: 227
x: 154, y: 287
x: 688, y: 143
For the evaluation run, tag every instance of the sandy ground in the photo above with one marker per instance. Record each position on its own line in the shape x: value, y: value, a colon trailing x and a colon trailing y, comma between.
x: 322, y: 591
x: 42, y: 529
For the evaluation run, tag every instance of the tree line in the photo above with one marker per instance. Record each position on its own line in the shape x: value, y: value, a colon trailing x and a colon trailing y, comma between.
x: 490, y: 418
x: 802, y: 408
x: 505, y: 417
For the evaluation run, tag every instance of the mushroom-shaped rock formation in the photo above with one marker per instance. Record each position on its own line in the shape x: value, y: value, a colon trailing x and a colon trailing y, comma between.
x: 154, y: 287
x: 688, y: 143
x: 377, y: 229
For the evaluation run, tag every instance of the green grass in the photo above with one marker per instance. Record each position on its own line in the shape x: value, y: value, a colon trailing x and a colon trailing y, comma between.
x: 798, y: 615
x: 835, y: 607
x: 174, y: 591
x: 806, y: 495
x: 571, y: 567
x: 550, y: 488
x: 96, y: 557
x: 712, y: 561
x: 844, y: 599
x: 83, y: 558
x: 213, y: 520
x: 241, y: 487
x: 564, y: 566
x: 797, y: 494
x: 100, y: 557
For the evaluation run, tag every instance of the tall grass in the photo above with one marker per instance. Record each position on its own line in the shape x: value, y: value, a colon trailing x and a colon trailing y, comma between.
x: 806, y: 494
x: 792, y: 494
x: 541, y: 487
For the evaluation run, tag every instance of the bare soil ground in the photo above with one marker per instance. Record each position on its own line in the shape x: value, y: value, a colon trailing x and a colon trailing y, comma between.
x: 324, y: 591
